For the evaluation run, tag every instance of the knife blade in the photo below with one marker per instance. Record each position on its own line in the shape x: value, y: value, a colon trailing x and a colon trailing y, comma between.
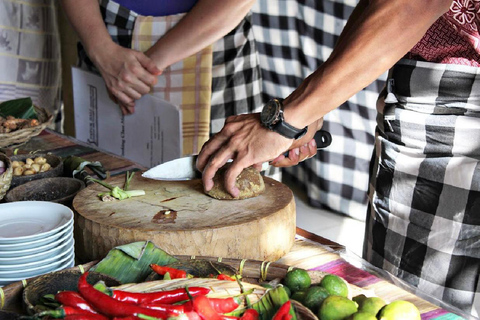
x: 185, y: 168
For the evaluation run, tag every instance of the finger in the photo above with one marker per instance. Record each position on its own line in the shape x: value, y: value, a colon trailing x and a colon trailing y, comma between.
x: 112, y: 96
x: 312, y: 147
x: 122, y: 98
x: 231, y: 176
x: 209, y: 148
x: 215, y: 163
x: 149, y: 65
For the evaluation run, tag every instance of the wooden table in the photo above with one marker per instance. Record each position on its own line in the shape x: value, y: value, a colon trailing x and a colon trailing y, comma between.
x: 310, y: 251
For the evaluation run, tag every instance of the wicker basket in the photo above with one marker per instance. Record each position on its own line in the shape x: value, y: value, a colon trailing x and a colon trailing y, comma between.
x: 6, y: 177
x: 18, y: 137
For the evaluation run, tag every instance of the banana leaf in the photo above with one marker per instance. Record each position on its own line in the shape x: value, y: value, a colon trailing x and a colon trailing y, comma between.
x: 19, y: 108
x: 130, y: 263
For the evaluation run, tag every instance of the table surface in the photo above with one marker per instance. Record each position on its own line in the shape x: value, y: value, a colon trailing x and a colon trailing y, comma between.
x: 310, y: 251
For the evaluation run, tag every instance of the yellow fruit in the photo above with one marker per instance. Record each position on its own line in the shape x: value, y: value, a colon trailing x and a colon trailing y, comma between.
x: 297, y: 279
x: 336, y: 308
x: 399, y: 310
x: 335, y: 285
x: 359, y: 315
x: 371, y: 305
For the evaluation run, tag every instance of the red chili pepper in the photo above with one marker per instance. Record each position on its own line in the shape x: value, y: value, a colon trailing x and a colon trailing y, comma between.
x: 222, y: 276
x: 283, y: 311
x: 169, y: 297
x: 204, y: 309
x: 174, y: 273
x: 74, y: 299
x: 225, y: 317
x: 167, y: 308
x: 62, y: 312
x: 90, y: 316
x: 250, y: 314
x: 220, y: 305
x: 111, y: 307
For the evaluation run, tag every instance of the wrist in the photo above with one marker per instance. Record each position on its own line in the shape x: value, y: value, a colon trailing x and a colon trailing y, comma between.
x: 272, y: 117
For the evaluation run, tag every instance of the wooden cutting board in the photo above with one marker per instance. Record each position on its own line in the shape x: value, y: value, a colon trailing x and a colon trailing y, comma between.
x: 180, y: 219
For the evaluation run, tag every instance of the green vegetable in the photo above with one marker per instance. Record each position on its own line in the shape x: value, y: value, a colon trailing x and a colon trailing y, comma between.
x: 117, y: 192
x: 19, y: 108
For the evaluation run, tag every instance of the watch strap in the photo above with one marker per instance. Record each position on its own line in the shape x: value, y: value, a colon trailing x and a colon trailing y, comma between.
x: 288, y: 130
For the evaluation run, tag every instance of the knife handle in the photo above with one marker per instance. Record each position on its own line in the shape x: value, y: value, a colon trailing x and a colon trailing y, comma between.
x: 323, y: 139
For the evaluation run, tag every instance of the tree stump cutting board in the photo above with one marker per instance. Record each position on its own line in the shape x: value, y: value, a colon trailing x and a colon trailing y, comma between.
x: 180, y: 219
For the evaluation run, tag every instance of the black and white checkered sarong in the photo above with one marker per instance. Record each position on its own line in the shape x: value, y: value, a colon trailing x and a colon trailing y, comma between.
x: 423, y: 224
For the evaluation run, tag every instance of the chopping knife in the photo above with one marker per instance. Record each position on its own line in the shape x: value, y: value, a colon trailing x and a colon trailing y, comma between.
x: 185, y: 168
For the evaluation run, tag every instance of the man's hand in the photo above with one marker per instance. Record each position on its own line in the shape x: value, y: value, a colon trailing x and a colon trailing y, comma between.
x: 246, y: 141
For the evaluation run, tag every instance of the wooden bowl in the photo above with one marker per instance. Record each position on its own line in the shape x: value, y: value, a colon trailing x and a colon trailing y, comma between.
x: 57, y: 189
x: 51, y: 283
x: 55, y: 162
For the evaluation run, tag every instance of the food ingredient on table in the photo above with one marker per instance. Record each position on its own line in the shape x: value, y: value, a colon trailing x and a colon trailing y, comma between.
x: 370, y: 305
x: 73, y: 299
x: 335, y: 285
x: 172, y: 272
x: 314, y: 297
x: 30, y: 166
x: 337, y: 308
x: 297, y: 279
x: 158, y: 297
x: 399, y: 310
x: 360, y: 315
x: 117, y: 192
x: 10, y: 123
x: 283, y: 313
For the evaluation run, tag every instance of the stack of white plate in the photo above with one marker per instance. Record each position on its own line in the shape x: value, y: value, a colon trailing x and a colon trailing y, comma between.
x: 36, y: 237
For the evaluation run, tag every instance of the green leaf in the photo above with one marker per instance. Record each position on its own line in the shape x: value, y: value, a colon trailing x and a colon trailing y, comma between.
x: 19, y: 108
x: 131, y: 262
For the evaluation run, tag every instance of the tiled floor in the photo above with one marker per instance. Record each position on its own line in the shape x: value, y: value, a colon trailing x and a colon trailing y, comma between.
x: 339, y: 228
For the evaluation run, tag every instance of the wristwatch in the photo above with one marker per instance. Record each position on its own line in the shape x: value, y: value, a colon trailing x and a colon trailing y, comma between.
x: 272, y: 118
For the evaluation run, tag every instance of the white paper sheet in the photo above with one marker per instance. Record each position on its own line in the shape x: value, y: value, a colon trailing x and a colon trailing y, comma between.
x: 150, y: 136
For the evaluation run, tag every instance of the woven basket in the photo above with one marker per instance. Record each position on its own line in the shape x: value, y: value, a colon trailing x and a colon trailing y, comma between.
x: 18, y: 137
x: 6, y: 177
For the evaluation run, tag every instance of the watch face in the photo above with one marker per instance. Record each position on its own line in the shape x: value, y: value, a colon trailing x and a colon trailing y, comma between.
x: 269, y: 113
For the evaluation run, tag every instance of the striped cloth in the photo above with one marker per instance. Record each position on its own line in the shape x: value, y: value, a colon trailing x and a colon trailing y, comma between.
x: 186, y: 84
x: 294, y: 38
x: 30, y: 60
x: 423, y: 223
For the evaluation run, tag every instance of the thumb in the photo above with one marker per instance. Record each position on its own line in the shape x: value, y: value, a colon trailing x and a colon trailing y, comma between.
x: 149, y: 65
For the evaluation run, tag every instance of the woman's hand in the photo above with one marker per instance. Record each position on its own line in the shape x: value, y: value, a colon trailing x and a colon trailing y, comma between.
x: 128, y: 74
x: 244, y: 140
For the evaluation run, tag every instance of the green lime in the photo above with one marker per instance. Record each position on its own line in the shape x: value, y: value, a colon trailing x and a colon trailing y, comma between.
x: 335, y: 285
x: 371, y: 305
x: 360, y: 315
x: 337, y: 308
x: 399, y: 310
x: 359, y: 299
x: 314, y: 298
x: 297, y: 279
x: 299, y: 296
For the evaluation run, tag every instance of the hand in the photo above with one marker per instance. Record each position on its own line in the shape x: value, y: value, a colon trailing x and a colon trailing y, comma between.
x: 302, y: 149
x: 128, y: 74
x: 246, y: 141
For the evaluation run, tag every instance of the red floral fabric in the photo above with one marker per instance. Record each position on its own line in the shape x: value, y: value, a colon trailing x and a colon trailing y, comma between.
x: 454, y: 38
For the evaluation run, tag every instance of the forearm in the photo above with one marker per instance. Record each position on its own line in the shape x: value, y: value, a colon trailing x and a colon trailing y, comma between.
x: 370, y: 44
x: 86, y: 20
x: 208, y: 21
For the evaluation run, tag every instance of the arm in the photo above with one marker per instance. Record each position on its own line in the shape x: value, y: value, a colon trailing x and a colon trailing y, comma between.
x: 128, y: 74
x: 378, y: 34
x: 208, y: 21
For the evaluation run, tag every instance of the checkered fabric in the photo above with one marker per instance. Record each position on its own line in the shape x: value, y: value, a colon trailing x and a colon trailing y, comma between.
x: 423, y: 223
x: 236, y: 75
x: 294, y: 38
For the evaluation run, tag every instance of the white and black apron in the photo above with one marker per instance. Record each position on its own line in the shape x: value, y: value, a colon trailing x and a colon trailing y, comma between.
x: 423, y: 221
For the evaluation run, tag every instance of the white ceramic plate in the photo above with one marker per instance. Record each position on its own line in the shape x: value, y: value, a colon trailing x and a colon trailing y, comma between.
x: 37, y: 270
x: 40, y: 259
x: 40, y: 245
x: 25, y: 221
x: 68, y: 264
